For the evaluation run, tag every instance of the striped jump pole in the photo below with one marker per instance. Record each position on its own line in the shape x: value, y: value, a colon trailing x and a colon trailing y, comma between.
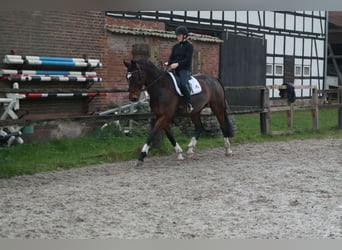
x: 74, y: 94
x: 61, y: 78
x: 7, y: 72
x: 56, y: 61
x: 49, y: 75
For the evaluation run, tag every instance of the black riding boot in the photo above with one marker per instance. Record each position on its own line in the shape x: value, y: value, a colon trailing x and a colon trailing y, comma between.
x: 187, y: 97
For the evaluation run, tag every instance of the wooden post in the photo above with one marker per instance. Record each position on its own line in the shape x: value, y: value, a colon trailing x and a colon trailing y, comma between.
x: 265, y: 126
x: 290, y: 116
x: 315, y: 121
x: 130, y: 122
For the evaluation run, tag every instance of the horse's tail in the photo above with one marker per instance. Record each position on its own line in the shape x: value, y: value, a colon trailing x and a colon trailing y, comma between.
x: 230, y: 129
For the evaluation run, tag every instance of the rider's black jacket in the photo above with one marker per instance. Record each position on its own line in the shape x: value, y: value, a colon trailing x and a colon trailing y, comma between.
x: 182, y: 54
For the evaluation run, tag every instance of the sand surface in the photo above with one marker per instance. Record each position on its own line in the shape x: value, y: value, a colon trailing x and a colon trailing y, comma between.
x: 285, y: 190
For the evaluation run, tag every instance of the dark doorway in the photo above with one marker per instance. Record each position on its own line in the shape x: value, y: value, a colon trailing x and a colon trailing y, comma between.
x: 243, y: 64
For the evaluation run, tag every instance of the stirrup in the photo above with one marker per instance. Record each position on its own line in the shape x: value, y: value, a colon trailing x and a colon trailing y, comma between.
x: 189, y: 108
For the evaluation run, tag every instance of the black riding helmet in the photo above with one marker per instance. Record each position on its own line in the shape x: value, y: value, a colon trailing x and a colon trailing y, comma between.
x: 181, y: 30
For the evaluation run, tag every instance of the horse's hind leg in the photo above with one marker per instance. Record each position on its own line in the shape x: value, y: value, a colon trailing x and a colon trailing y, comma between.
x: 227, y: 147
x: 222, y: 118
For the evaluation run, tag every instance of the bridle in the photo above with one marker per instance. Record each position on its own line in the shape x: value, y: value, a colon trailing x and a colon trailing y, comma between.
x: 140, y: 78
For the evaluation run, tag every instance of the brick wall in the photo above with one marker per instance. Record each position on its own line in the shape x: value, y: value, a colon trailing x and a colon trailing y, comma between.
x: 121, y: 47
x: 74, y: 34
x: 53, y: 33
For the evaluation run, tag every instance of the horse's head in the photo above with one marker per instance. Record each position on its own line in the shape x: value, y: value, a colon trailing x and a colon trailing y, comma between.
x: 135, y: 78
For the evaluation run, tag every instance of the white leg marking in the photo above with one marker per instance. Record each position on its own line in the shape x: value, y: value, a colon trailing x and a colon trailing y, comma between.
x: 229, y: 151
x: 145, y: 149
x: 179, y: 150
x: 191, y: 146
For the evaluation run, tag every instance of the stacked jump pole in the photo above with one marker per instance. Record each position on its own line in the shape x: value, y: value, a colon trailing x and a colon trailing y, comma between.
x: 45, y: 77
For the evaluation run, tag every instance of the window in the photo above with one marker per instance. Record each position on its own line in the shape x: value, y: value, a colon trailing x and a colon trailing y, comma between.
x: 306, y: 70
x: 302, y: 70
x: 298, y: 70
x: 269, y: 69
x: 278, y: 69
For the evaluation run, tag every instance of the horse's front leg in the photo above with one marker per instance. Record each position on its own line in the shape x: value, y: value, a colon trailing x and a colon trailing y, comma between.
x: 175, y: 145
x: 196, y: 120
x: 147, y: 145
x: 161, y: 123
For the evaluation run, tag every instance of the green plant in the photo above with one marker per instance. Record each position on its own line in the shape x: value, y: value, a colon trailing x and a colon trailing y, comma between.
x: 111, y: 144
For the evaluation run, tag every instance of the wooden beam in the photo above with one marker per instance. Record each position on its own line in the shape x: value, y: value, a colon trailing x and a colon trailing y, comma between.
x: 265, y: 124
x: 315, y: 120
x: 93, y: 118
x: 335, y: 63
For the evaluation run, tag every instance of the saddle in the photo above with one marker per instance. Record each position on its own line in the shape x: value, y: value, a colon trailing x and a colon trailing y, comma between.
x: 195, y: 87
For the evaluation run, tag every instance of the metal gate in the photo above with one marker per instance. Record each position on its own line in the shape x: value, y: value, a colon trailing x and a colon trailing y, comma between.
x: 243, y: 64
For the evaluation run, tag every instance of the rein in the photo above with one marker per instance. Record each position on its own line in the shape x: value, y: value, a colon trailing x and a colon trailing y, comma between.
x: 153, y: 82
x: 140, y: 73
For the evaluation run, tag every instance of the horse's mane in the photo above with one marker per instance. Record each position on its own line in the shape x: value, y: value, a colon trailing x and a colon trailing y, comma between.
x: 149, y: 65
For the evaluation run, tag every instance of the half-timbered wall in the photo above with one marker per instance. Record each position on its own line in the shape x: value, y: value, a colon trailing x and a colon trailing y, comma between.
x: 300, y: 34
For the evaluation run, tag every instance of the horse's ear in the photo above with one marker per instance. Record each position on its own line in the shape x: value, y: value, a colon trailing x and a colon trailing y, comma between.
x: 126, y: 63
x: 134, y: 64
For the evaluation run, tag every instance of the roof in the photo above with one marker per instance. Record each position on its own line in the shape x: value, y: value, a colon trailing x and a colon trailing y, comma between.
x: 158, y: 33
x: 335, y: 28
x: 335, y: 17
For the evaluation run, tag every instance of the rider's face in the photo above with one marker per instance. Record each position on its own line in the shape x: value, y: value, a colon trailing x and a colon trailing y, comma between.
x: 180, y: 37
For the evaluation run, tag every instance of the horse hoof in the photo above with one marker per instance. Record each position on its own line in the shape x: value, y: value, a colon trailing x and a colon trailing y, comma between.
x: 191, y: 155
x: 180, y: 157
x: 190, y: 151
x: 139, y: 163
x: 229, y: 153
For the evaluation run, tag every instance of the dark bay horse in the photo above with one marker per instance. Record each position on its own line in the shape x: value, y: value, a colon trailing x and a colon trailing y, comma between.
x: 166, y: 103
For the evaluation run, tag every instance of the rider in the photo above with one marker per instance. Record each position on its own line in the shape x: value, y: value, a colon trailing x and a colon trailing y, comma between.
x: 181, y: 60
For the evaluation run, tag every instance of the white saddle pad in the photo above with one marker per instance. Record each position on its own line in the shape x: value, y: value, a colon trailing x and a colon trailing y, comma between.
x: 194, y: 85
